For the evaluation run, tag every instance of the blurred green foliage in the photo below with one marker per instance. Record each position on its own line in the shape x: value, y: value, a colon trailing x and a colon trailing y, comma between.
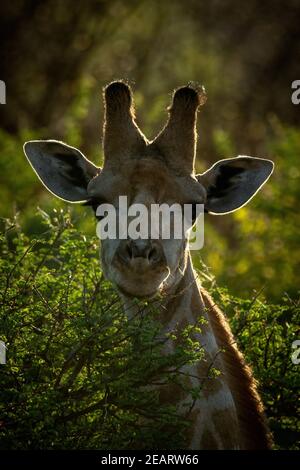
x: 259, y: 245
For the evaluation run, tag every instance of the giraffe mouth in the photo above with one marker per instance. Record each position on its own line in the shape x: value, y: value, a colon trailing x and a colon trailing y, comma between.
x: 140, y: 286
x: 137, y: 280
x: 138, y: 295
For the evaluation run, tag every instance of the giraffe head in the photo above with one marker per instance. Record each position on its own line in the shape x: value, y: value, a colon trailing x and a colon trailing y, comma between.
x: 156, y: 172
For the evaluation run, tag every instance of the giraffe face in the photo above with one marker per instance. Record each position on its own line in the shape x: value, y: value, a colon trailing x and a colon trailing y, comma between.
x: 144, y: 267
x: 157, y: 172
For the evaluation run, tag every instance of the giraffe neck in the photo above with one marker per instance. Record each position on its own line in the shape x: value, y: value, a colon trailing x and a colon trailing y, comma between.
x: 214, y: 412
x: 229, y: 413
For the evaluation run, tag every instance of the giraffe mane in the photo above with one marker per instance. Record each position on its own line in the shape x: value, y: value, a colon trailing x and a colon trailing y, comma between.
x: 254, y: 429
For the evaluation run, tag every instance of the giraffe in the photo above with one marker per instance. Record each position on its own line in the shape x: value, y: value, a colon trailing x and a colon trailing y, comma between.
x: 229, y: 413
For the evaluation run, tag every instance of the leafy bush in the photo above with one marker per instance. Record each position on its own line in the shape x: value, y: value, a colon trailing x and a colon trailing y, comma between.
x: 265, y: 333
x: 78, y: 370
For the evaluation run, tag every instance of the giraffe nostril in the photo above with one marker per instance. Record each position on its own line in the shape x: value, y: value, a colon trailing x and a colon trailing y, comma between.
x: 153, y: 255
x: 140, y: 248
x: 132, y: 250
x: 128, y: 251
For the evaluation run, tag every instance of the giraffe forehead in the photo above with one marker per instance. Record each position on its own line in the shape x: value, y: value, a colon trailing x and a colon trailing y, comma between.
x: 132, y: 177
x: 145, y: 178
x: 144, y: 175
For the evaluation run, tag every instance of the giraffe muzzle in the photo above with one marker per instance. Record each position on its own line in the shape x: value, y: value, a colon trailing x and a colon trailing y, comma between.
x: 139, y: 255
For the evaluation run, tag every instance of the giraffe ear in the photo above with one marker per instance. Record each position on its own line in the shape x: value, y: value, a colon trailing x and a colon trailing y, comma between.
x: 231, y: 183
x: 64, y: 170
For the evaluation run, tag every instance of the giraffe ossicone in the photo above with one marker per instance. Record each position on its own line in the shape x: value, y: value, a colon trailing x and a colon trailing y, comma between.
x: 229, y: 413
